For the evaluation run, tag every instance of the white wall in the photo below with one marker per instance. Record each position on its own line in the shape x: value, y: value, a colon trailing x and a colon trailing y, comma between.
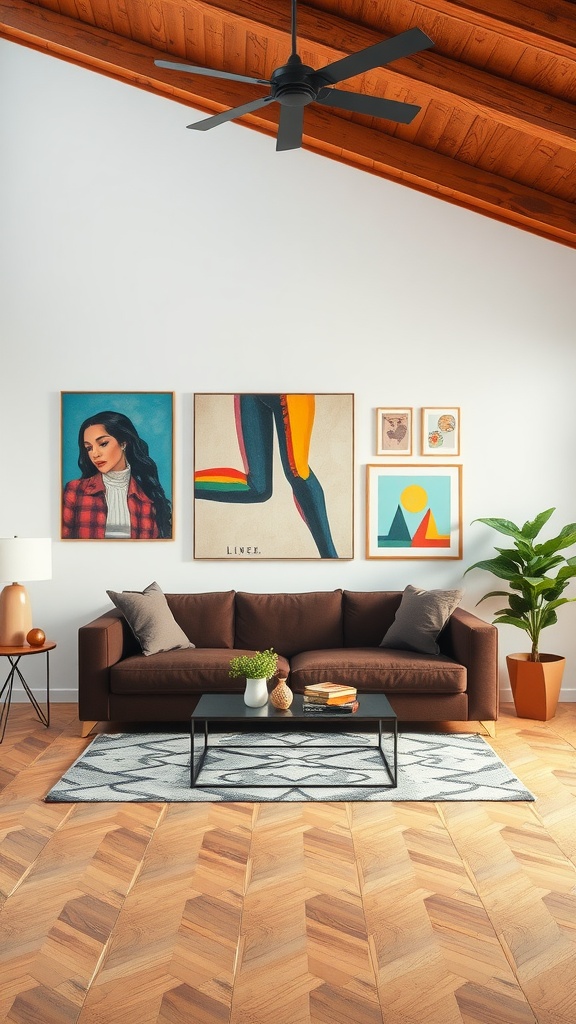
x: 138, y: 256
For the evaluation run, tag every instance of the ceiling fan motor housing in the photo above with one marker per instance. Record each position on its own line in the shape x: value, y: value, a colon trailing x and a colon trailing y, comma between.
x: 292, y: 84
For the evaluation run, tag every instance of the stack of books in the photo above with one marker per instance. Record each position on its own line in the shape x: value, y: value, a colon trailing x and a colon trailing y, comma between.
x: 331, y: 698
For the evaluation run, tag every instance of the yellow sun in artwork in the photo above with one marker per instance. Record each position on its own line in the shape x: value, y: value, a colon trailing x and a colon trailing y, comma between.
x: 414, y: 498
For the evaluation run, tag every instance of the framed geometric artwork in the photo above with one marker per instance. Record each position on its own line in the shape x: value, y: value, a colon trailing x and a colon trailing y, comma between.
x: 441, y: 431
x: 117, y: 465
x: 394, y: 431
x: 413, y: 511
x: 273, y: 476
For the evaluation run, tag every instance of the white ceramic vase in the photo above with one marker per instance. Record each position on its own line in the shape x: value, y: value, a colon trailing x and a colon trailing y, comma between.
x: 256, y: 693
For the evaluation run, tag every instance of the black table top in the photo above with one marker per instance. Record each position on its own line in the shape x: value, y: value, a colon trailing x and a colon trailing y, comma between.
x: 222, y: 707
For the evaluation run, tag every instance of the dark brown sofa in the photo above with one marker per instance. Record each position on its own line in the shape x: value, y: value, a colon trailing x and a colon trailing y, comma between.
x: 331, y: 635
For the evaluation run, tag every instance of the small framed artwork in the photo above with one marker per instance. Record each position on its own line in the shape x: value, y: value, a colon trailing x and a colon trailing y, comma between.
x: 117, y: 465
x: 393, y: 431
x: 413, y: 511
x: 440, y: 431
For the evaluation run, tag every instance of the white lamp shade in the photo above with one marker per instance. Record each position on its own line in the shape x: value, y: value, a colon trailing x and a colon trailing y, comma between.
x: 25, y: 558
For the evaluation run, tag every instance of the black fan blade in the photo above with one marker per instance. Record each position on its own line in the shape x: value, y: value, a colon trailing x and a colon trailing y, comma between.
x: 209, y: 72
x: 229, y: 115
x: 290, y: 128
x: 375, y: 56
x: 374, y: 106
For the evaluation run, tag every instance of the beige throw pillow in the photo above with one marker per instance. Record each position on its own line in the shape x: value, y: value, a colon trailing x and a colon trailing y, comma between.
x: 420, y: 618
x: 150, y: 619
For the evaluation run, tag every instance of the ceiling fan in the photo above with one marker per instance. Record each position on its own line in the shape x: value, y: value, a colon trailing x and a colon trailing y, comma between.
x: 294, y: 85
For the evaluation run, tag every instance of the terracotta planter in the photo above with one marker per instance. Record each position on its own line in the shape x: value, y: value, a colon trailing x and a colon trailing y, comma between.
x: 535, y: 684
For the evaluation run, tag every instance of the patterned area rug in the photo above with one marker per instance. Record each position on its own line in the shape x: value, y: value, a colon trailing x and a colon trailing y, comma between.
x: 155, y: 767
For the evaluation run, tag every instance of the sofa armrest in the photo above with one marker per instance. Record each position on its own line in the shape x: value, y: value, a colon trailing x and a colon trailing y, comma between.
x: 474, y: 643
x: 101, y: 644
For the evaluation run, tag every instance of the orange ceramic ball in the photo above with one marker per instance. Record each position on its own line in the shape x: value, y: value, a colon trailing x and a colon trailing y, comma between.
x: 36, y: 637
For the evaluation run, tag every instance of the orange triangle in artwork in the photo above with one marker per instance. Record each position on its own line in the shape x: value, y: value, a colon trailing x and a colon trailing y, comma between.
x: 427, y: 535
x: 432, y: 529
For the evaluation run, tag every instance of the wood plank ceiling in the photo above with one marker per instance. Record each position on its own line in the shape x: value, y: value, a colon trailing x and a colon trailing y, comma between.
x: 497, y: 129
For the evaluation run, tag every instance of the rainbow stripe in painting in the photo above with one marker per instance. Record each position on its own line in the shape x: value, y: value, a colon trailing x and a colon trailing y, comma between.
x: 221, y: 479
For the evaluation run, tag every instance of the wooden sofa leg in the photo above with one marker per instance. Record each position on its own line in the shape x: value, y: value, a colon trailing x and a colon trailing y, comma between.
x: 86, y: 728
x: 490, y: 728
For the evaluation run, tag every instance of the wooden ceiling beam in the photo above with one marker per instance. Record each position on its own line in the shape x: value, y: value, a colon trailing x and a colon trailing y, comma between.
x: 326, y: 133
x: 552, y: 30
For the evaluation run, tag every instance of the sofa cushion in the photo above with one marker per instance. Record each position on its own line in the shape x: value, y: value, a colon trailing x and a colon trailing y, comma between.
x: 420, y: 618
x: 150, y: 619
x: 289, y: 623
x: 208, y: 619
x: 367, y: 615
x: 378, y: 670
x: 198, y: 670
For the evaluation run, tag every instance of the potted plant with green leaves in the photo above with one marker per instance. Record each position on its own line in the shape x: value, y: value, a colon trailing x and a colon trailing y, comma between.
x: 535, y: 593
x: 257, y: 668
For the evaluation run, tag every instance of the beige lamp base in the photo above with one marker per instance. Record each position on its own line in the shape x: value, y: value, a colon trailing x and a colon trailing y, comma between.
x: 15, y: 615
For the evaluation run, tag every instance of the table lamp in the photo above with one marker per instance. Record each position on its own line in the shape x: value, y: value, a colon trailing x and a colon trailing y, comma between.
x: 21, y: 558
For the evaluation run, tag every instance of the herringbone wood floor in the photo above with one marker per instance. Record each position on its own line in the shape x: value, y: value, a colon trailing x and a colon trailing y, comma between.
x: 394, y: 913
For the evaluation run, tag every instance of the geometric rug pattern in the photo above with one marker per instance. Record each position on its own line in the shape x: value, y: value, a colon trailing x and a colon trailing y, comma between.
x: 155, y: 767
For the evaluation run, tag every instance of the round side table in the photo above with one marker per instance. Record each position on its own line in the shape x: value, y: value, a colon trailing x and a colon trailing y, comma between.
x: 14, y: 655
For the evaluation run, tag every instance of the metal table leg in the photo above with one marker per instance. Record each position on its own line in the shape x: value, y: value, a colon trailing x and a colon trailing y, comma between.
x: 195, y: 770
x: 391, y: 771
x: 44, y: 717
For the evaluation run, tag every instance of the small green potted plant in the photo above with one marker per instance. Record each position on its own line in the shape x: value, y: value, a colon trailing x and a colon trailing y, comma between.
x: 534, y: 595
x: 257, y: 668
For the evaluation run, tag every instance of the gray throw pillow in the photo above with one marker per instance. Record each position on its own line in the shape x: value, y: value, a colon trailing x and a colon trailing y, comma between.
x: 420, y: 618
x: 150, y: 619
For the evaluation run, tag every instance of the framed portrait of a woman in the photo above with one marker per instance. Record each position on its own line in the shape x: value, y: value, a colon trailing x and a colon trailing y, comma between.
x: 117, y: 465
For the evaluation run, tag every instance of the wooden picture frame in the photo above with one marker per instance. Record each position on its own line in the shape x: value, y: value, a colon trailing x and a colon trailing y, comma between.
x: 394, y: 431
x: 136, y: 433
x: 440, y: 431
x: 413, y: 511
x: 273, y: 476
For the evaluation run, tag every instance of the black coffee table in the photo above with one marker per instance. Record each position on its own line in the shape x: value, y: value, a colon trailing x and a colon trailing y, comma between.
x: 217, y: 709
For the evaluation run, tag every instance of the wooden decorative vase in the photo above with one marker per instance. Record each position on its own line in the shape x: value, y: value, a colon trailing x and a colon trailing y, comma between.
x: 281, y: 696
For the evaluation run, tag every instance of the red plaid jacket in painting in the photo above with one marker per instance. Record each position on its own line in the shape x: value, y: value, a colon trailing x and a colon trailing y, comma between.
x: 84, y: 510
